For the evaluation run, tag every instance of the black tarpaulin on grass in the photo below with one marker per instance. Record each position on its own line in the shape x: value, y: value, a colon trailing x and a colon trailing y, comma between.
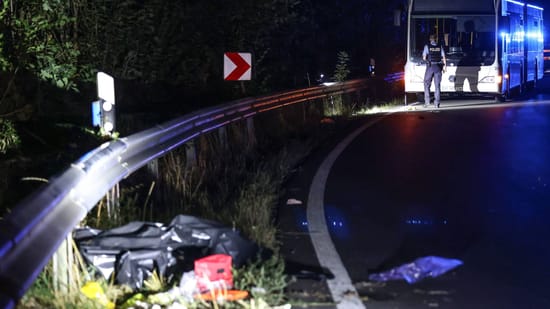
x: 130, y: 253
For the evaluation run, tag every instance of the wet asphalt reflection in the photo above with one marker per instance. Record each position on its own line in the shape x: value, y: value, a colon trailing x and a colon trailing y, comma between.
x: 464, y: 183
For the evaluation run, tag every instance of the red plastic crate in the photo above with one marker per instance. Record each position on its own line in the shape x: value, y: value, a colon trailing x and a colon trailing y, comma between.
x: 214, y: 272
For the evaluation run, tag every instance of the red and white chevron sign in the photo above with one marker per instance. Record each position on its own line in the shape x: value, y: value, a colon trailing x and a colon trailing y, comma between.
x: 237, y: 66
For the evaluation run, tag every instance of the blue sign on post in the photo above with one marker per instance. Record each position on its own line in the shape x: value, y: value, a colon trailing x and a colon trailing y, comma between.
x: 96, y: 113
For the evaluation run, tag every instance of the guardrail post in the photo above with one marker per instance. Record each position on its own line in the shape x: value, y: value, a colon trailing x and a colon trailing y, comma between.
x: 190, y: 154
x: 112, y: 201
x: 250, y: 132
x: 153, y: 168
x: 62, y: 262
x: 358, y: 99
x: 222, y: 133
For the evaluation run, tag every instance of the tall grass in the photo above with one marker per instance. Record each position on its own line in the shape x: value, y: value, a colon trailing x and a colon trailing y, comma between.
x: 45, y: 294
x: 381, y: 107
x: 233, y: 182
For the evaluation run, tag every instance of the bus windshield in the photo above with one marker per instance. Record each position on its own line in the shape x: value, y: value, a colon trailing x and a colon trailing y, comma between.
x: 467, y: 40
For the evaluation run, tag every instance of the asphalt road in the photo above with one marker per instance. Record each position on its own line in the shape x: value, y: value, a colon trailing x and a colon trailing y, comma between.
x: 469, y: 181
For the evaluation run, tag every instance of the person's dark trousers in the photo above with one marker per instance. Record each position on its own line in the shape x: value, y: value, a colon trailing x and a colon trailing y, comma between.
x: 433, y: 71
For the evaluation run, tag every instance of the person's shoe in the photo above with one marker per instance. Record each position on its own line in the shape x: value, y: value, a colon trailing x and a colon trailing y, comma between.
x: 426, y: 105
x: 437, y: 105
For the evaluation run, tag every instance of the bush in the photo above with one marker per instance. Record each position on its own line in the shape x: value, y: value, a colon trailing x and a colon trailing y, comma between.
x: 9, y: 139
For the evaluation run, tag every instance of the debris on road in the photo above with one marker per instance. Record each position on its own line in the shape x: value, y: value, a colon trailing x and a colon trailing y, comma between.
x: 430, y: 266
x: 293, y: 201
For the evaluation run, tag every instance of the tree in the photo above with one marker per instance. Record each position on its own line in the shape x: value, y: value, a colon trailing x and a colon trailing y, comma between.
x: 39, y: 37
x: 342, y: 71
x: 36, y: 46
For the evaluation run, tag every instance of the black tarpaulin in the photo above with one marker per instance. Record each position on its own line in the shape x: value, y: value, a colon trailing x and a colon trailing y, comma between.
x: 130, y: 253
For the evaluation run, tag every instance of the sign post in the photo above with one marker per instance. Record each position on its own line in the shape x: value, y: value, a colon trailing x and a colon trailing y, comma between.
x: 106, y: 95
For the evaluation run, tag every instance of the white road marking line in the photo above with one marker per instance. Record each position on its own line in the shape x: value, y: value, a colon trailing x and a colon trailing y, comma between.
x: 341, y: 288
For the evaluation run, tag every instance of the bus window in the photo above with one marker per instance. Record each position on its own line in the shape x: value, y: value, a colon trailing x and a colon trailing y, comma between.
x: 464, y: 37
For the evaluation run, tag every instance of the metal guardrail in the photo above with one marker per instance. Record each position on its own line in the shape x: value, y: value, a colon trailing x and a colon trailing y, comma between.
x: 395, y: 77
x: 32, y: 232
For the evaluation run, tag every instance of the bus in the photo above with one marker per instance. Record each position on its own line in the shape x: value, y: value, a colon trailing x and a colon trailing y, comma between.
x: 493, y: 47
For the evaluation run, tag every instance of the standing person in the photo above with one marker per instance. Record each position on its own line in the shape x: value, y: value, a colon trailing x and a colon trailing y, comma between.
x: 434, y: 56
x: 372, y: 64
